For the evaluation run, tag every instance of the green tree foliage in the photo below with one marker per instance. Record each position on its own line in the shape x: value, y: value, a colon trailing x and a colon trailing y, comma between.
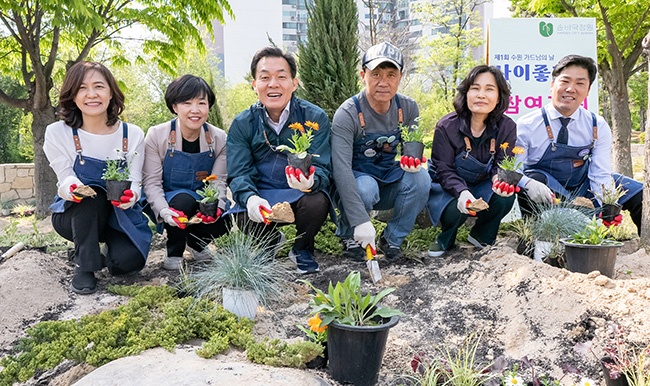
x: 621, y: 28
x: 448, y: 55
x: 11, y: 118
x: 39, y: 37
x: 236, y: 98
x: 328, y: 64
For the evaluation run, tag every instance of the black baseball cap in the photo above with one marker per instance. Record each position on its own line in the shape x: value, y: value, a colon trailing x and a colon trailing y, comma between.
x: 380, y: 53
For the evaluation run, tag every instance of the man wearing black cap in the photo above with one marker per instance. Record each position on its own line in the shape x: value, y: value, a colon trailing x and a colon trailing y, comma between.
x: 365, y: 135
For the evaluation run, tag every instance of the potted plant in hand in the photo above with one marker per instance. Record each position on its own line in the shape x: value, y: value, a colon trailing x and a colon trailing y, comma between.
x: 117, y: 175
x: 208, y: 204
x: 357, y: 328
x: 317, y: 334
x: 591, y: 250
x: 243, y: 270
x: 412, y: 141
x: 608, y: 197
x: 509, y: 167
x: 298, y: 156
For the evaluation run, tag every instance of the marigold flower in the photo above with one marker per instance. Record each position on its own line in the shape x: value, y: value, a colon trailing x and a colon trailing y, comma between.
x: 297, y: 126
x: 517, y: 150
x: 211, y: 177
x: 312, y: 125
x: 504, y: 145
x: 314, y: 324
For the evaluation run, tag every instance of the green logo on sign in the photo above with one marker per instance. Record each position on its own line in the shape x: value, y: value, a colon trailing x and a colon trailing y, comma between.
x: 545, y: 29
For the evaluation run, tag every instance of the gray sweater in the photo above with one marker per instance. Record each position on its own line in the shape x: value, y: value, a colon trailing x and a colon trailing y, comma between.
x: 345, y: 128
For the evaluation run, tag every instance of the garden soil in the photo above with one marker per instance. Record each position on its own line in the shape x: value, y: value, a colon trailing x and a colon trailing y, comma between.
x: 519, y: 308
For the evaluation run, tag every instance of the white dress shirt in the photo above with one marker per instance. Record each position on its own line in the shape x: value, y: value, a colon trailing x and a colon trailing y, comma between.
x: 277, y: 126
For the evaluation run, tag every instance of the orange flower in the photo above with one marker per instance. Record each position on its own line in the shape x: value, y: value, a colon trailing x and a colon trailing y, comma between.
x: 504, y: 145
x: 517, y: 150
x: 314, y: 324
x: 297, y: 126
x: 312, y: 125
x: 211, y: 177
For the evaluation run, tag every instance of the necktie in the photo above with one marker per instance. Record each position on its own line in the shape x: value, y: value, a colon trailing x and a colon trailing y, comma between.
x: 563, y: 135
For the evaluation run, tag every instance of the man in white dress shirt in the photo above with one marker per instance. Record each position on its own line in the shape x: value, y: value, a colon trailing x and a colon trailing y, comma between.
x: 567, y: 149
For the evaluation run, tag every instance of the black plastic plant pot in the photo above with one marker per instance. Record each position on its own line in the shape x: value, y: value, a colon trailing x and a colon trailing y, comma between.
x: 585, y: 258
x: 300, y: 163
x: 208, y: 208
x: 610, y: 211
x: 320, y: 361
x: 609, y: 381
x: 413, y: 149
x: 509, y: 176
x: 115, y: 189
x: 356, y: 352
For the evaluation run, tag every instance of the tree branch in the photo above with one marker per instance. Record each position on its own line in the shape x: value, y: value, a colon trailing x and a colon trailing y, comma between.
x: 13, y: 102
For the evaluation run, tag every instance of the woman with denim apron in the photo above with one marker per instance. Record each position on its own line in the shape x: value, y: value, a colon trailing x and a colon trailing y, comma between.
x: 179, y: 156
x: 465, y: 153
x: 77, y: 148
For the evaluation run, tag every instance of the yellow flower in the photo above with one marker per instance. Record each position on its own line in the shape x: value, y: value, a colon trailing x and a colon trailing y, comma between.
x: 211, y: 177
x: 517, y: 150
x: 297, y: 126
x: 311, y: 125
x: 504, y: 145
x: 314, y: 324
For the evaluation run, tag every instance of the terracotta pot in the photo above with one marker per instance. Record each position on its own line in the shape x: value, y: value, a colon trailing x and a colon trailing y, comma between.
x: 115, y: 189
x: 510, y: 176
x: 300, y: 163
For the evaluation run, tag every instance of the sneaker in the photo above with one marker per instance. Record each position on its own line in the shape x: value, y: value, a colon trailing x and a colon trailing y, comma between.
x: 202, y: 256
x: 352, y: 250
x: 391, y: 253
x: 173, y: 263
x: 435, y: 250
x: 475, y: 242
x: 83, y: 282
x: 304, y: 260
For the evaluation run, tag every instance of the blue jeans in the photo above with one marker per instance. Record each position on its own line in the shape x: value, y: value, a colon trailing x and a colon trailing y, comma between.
x: 407, y: 197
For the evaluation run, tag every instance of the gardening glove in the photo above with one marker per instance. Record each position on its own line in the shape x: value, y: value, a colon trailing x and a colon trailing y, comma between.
x: 539, y: 192
x: 616, y: 221
x: 173, y: 217
x: 365, y: 234
x: 464, y: 200
x: 297, y: 180
x: 66, y: 187
x: 412, y: 165
x: 127, y: 200
x: 209, y: 219
x: 504, y: 189
x: 258, y: 209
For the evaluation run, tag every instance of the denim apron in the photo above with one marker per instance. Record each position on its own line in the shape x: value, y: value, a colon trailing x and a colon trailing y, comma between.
x: 184, y: 172
x: 129, y: 221
x: 566, y: 168
x: 474, y: 172
x: 272, y: 185
x: 374, y: 154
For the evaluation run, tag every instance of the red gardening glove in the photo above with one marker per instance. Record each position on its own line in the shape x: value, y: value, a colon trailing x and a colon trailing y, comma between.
x: 297, y: 180
x: 504, y: 189
x: 76, y: 199
x: 181, y: 220
x: 209, y: 219
x: 614, y: 223
x: 412, y: 165
x: 127, y: 200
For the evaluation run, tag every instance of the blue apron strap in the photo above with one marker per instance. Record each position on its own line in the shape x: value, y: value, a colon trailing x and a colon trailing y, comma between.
x: 594, y: 123
x: 77, y: 144
x: 125, y: 138
x: 549, y: 132
x: 208, y: 139
x: 171, y: 141
x: 400, y: 114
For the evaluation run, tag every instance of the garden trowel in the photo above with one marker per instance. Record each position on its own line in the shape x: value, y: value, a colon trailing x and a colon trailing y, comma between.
x: 373, y: 265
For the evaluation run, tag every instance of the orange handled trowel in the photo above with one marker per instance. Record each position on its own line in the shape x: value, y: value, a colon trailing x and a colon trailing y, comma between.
x: 373, y: 265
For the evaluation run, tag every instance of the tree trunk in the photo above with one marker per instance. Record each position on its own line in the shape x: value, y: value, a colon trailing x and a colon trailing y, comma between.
x: 621, y: 121
x: 44, y: 177
x: 645, y: 215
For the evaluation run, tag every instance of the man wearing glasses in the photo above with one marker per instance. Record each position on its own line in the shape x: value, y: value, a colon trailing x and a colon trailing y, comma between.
x: 258, y: 172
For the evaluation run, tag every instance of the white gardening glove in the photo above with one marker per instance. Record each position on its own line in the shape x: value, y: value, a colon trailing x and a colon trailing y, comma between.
x: 297, y: 180
x: 412, y: 165
x: 466, y: 197
x: 256, y: 205
x: 168, y: 215
x: 66, y: 187
x: 364, y: 234
x: 539, y: 192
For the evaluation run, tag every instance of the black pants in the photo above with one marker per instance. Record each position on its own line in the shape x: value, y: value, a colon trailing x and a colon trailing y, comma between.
x: 487, y: 224
x: 86, y: 225
x: 634, y: 205
x: 196, y: 236
x: 310, y: 212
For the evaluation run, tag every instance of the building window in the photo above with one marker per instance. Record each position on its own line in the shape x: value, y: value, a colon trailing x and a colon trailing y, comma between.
x: 290, y: 38
x: 289, y: 25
